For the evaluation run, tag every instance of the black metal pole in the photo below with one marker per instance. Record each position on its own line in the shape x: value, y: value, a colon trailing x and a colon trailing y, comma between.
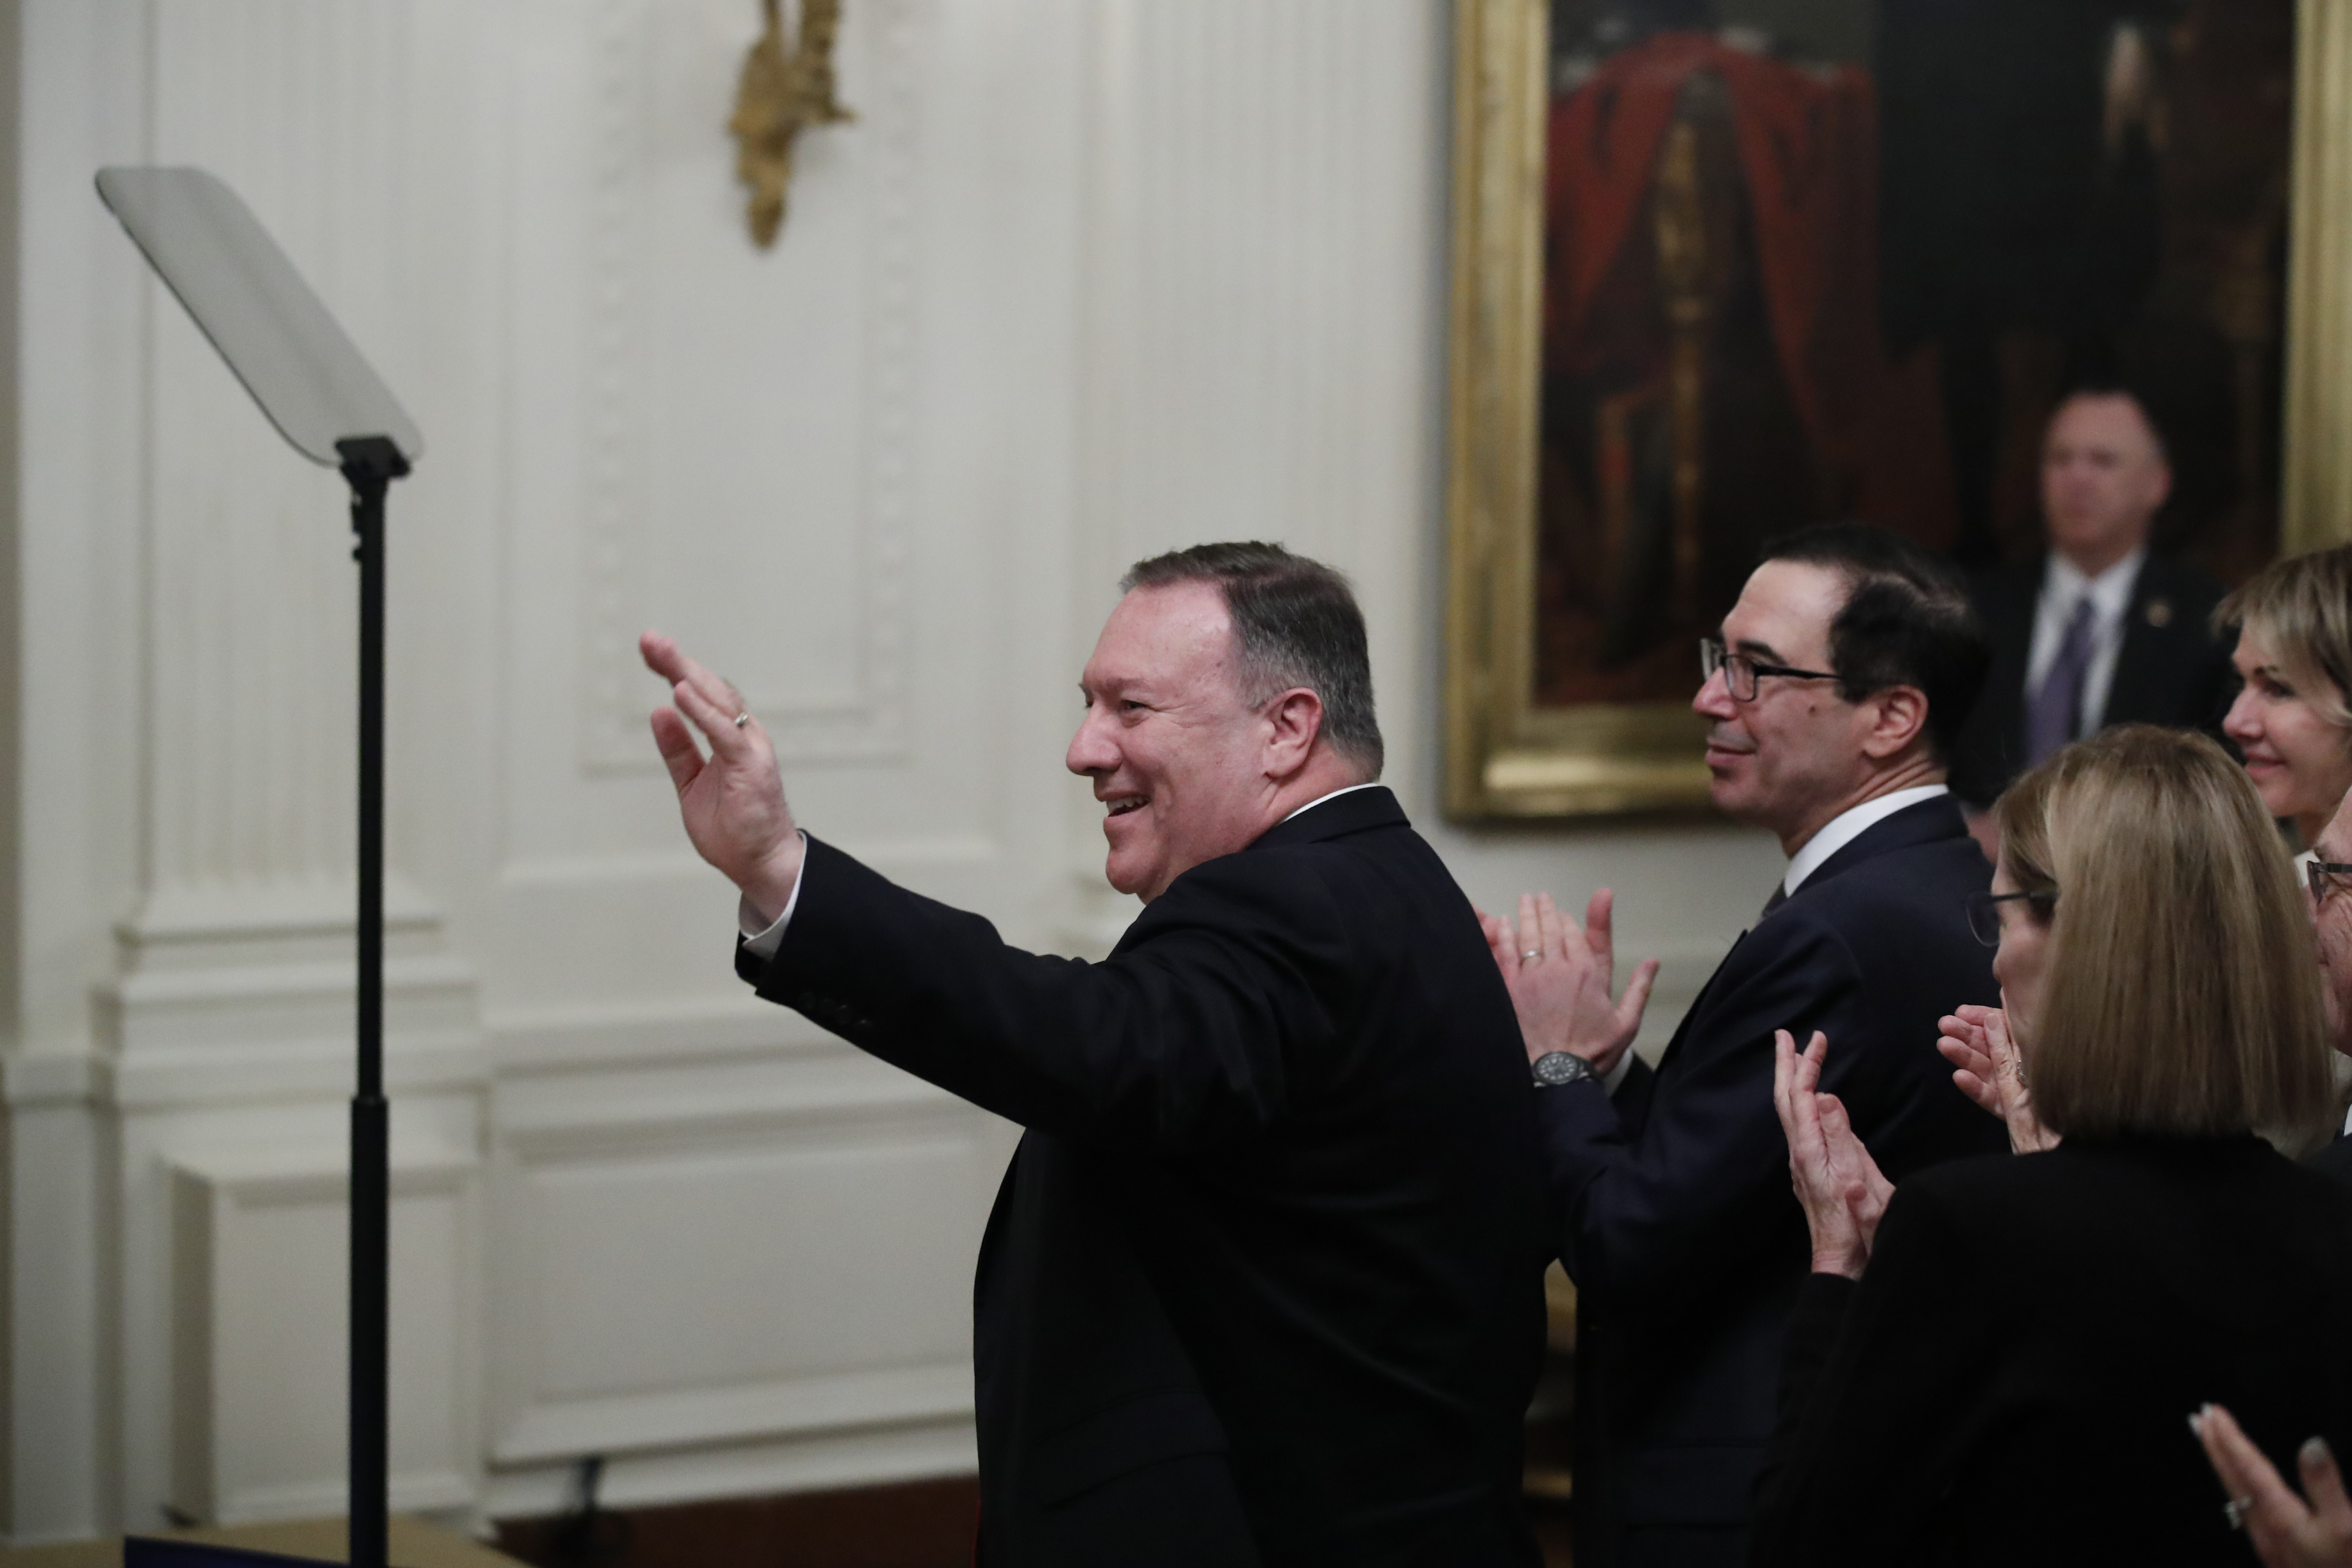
x: 371, y: 463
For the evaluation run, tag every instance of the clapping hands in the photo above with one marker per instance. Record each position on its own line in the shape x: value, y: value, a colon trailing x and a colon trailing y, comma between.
x: 1559, y: 978
x: 1990, y: 1070
x: 2287, y: 1532
x: 1839, y: 1185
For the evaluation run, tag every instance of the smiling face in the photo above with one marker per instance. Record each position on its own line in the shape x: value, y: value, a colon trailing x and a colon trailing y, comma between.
x: 2018, y: 962
x: 1181, y: 764
x: 1792, y: 759
x: 2299, y: 758
x: 2103, y: 478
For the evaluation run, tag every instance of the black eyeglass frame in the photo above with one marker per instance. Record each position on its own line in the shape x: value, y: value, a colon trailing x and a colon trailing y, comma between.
x: 1714, y: 656
x: 2320, y: 875
x: 1984, y: 910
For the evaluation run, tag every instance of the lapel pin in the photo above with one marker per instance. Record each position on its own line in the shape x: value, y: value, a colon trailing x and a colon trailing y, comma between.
x: 2159, y: 612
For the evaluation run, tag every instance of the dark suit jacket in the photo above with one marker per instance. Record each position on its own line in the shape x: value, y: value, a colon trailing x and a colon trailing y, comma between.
x: 2332, y: 1157
x: 1264, y: 1281
x: 1679, y: 1227
x: 2170, y: 669
x: 2012, y: 1378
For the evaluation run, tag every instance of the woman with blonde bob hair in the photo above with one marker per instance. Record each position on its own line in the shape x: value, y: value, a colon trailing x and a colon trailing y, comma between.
x: 2185, y: 989
x: 2008, y: 1379
x: 2293, y: 716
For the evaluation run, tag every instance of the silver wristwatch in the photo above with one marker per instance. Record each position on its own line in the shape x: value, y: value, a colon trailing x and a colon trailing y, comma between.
x: 1556, y: 1067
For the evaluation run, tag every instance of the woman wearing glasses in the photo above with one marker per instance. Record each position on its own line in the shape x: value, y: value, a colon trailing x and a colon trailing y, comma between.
x: 2293, y: 718
x: 2008, y: 1380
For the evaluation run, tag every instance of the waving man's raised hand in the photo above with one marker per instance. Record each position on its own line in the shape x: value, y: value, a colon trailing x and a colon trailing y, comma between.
x: 733, y: 799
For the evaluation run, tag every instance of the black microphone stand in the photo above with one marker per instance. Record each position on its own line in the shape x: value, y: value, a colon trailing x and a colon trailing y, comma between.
x: 314, y: 385
x: 371, y: 463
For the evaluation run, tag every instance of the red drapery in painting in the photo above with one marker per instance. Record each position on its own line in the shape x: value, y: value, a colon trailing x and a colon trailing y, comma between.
x: 1807, y: 147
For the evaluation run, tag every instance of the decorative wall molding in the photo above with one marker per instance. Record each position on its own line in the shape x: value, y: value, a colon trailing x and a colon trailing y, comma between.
x: 243, y: 992
x: 695, y: 1417
x: 259, y: 1242
x: 625, y: 521
x: 557, y: 875
x: 1240, y: 387
x: 805, y: 1461
x: 567, y: 1041
x: 804, y: 1099
x: 47, y: 1082
x: 805, y: 1239
x: 250, y: 620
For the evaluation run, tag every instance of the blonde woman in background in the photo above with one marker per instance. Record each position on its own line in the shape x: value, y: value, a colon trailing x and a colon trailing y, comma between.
x: 2293, y: 719
x: 2007, y: 1380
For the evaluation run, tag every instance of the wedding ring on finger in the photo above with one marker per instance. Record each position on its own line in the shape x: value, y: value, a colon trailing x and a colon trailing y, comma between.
x: 1528, y: 955
x: 2236, y: 1509
x: 743, y: 718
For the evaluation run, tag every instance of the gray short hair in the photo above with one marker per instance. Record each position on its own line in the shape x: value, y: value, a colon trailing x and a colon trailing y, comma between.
x: 1295, y: 623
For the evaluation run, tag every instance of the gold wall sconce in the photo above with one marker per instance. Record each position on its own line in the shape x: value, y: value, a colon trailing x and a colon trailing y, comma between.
x: 782, y: 91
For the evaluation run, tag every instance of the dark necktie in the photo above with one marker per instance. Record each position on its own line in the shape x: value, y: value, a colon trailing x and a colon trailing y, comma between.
x: 2054, y: 713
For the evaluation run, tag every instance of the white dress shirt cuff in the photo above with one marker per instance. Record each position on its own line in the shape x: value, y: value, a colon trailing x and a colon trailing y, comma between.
x: 763, y: 944
x: 1616, y: 1075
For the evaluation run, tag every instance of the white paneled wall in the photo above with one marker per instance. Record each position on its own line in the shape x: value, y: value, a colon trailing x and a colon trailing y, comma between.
x: 257, y: 1348
x: 1085, y: 279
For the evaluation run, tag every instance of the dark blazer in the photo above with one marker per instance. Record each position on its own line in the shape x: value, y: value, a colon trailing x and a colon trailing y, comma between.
x: 2333, y: 1158
x: 1264, y: 1281
x: 2170, y: 669
x: 1679, y: 1224
x: 2012, y: 1375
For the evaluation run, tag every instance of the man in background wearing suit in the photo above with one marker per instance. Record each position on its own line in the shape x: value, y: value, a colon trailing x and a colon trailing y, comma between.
x: 1263, y: 1284
x: 1833, y: 695
x: 2098, y: 631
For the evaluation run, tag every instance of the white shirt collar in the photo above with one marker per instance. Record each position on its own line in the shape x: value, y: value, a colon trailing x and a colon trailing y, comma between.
x: 1848, y: 826
x: 1335, y: 794
x: 2110, y: 591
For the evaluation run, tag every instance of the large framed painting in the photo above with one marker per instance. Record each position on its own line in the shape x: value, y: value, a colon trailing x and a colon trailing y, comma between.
x: 1723, y: 268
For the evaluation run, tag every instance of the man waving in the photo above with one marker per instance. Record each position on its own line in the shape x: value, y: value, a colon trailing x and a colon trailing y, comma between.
x: 1262, y: 1284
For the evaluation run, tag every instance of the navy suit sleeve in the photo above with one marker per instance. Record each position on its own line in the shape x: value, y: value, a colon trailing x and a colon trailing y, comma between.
x: 1194, y: 1035
x: 1662, y: 1206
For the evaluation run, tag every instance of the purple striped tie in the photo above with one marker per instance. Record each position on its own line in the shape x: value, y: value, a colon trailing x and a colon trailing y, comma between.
x: 2054, y: 710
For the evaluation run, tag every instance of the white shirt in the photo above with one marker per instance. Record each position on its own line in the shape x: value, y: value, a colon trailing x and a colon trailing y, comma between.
x: 764, y: 941
x: 1848, y: 826
x: 2063, y: 585
x: 1335, y: 794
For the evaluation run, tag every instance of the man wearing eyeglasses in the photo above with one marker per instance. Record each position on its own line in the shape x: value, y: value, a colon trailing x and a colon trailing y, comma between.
x: 2329, y: 875
x: 1833, y: 696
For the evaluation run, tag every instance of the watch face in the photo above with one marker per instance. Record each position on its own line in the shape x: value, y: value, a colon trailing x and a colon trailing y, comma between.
x: 1556, y: 1067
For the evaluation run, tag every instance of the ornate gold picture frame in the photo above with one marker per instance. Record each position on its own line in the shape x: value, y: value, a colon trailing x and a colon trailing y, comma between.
x: 1509, y: 755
